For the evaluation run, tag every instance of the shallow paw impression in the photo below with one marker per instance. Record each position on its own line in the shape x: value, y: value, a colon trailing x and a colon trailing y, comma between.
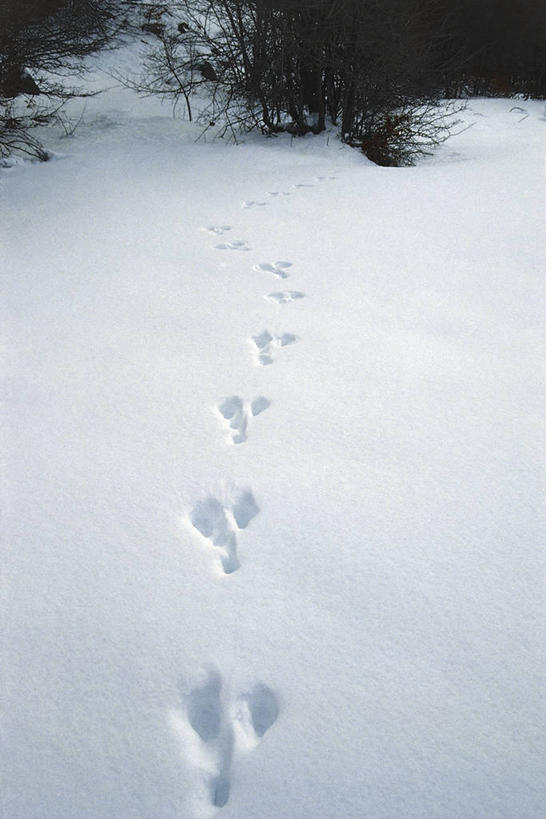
x: 266, y: 345
x: 278, y: 269
x: 285, y: 296
x: 220, y: 522
x: 236, y: 414
x: 223, y: 728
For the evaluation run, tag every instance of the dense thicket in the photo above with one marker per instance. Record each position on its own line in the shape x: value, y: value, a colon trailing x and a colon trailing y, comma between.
x: 40, y: 36
x: 377, y: 69
x: 501, y: 46
x: 374, y: 68
x: 40, y: 42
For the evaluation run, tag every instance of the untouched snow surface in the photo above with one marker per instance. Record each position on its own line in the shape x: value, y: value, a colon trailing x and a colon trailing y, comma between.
x: 274, y: 446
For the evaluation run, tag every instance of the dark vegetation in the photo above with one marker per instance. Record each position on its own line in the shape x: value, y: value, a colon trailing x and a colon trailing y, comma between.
x: 502, y: 46
x: 376, y: 69
x: 43, y: 44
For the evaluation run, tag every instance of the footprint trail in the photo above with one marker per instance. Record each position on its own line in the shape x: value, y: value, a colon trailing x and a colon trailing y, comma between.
x: 254, y: 714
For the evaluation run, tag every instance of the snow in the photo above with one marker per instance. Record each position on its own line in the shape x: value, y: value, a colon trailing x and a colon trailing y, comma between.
x: 273, y: 553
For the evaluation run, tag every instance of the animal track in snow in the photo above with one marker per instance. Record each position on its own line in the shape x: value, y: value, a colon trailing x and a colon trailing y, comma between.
x: 259, y: 405
x: 212, y: 736
x: 278, y: 193
x: 219, y: 523
x: 254, y: 714
x: 303, y: 185
x: 218, y: 230
x: 285, y: 297
x: 263, y: 708
x: 266, y: 344
x: 277, y: 268
x: 244, y: 508
x: 210, y: 519
x: 236, y: 244
x: 251, y: 203
x: 237, y: 413
x: 204, y: 708
x: 218, y: 729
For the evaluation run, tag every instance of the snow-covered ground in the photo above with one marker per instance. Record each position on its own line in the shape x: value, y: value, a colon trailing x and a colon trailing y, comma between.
x: 274, y: 446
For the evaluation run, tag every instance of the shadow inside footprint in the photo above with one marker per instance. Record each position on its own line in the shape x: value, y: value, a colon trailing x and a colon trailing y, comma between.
x: 230, y: 561
x: 285, y: 296
x: 218, y: 230
x: 262, y: 339
x: 219, y: 791
x: 263, y: 707
x: 244, y: 509
x: 259, y: 405
x: 236, y: 244
x: 209, y: 518
x: 232, y: 410
x: 204, y: 707
x: 277, y: 268
x: 266, y: 343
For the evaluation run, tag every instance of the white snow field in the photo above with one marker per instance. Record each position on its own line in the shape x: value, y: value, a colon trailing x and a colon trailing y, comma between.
x: 274, y: 447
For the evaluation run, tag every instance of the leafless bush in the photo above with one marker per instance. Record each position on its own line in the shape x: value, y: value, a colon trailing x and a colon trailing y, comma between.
x: 371, y: 67
x: 42, y: 43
